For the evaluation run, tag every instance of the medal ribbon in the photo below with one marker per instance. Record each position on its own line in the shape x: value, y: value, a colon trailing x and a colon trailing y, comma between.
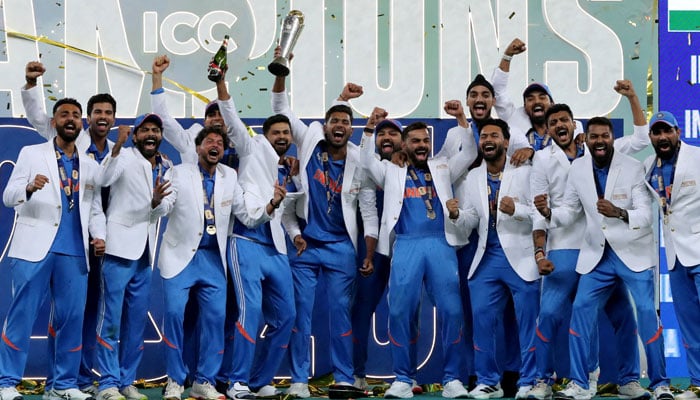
x: 330, y: 194
x: 426, y: 192
x: 531, y: 138
x: 493, y: 197
x: 664, y: 195
x: 208, y: 208
x: 69, y: 184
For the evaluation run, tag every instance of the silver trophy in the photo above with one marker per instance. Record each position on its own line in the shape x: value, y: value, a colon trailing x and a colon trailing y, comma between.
x: 291, y: 28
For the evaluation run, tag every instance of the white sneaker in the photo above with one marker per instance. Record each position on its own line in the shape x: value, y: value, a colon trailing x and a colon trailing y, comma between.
x: 399, y: 390
x: 572, y: 392
x: 111, y: 393
x: 68, y: 394
x: 360, y: 382
x: 453, y: 390
x: 205, y: 391
x: 593, y: 381
x: 522, y: 392
x: 10, y: 393
x: 689, y: 394
x: 663, y: 393
x: 92, y: 390
x: 541, y: 391
x: 268, y: 391
x: 240, y: 391
x: 633, y: 390
x: 299, y: 389
x: 173, y: 391
x: 482, y: 391
x: 415, y: 387
x: 131, y: 393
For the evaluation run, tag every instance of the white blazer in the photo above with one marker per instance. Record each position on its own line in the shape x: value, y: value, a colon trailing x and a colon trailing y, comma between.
x: 514, y: 231
x: 257, y: 172
x: 185, y: 210
x: 39, y: 216
x: 392, y: 179
x: 180, y: 138
x: 33, y: 103
x: 633, y: 242
x: 682, y: 231
x: 357, y: 187
x: 130, y: 225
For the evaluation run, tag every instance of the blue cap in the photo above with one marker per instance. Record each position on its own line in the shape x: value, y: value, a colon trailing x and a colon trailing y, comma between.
x: 538, y: 87
x: 211, y: 106
x: 142, y: 119
x: 388, y: 122
x: 663, y: 117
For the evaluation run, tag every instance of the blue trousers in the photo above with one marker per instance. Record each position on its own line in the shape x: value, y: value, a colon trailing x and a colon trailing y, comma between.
x: 490, y: 288
x: 64, y: 278
x: 558, y: 293
x: 594, y: 289
x: 424, y: 260
x: 124, y: 299
x: 264, y: 292
x: 685, y: 284
x: 370, y: 291
x: 335, y: 261
x: 205, y: 278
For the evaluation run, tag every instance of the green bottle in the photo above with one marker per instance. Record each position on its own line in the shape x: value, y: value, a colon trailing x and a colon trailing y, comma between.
x: 218, y: 63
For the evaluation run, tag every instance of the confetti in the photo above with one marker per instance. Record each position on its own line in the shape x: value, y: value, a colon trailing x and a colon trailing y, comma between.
x: 263, y: 89
x: 511, y: 15
x: 332, y: 16
x: 261, y: 68
x: 380, y: 15
x: 244, y: 78
x: 251, y: 73
x: 52, y: 98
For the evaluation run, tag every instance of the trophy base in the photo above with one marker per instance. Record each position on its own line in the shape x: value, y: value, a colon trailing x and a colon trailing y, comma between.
x: 279, y: 67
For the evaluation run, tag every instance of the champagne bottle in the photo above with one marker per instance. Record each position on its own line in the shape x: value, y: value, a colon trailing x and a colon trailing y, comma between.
x: 217, y: 65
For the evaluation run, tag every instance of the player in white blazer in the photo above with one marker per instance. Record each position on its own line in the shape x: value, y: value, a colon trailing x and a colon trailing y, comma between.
x: 557, y: 249
x: 101, y: 112
x: 193, y: 256
x: 258, y: 257
x: 336, y: 186
x: 55, y: 192
x: 618, y: 244
x: 496, y: 199
x: 414, y: 228
x: 182, y: 139
x: 674, y: 175
x: 133, y: 174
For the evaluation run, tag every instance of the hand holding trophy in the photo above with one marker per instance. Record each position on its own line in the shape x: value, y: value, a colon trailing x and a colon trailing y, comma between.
x: 291, y: 28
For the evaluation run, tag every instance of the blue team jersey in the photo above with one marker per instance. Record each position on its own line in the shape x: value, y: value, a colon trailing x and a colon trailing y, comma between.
x: 208, y: 240
x: 600, y: 176
x: 665, y: 171
x: 493, y: 243
x: 69, y: 237
x: 95, y: 154
x: 414, y: 214
x: 325, y: 221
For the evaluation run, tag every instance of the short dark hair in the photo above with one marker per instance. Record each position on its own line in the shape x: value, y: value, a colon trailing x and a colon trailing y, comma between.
x: 67, y: 100
x: 599, y: 121
x: 277, y: 118
x: 499, y: 123
x: 342, y: 108
x: 206, y: 131
x: 413, y: 126
x: 555, y: 108
x: 101, y: 98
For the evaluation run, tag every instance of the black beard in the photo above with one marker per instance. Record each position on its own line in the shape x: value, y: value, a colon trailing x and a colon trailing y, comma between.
x: 147, y: 154
x: 61, y: 132
x: 666, y: 154
x: 496, y: 155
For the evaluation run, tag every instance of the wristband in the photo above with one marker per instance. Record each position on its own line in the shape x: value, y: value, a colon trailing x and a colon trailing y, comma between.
x: 539, y: 257
x: 506, y: 57
x: 368, y: 130
x: 273, y: 205
x: 538, y: 249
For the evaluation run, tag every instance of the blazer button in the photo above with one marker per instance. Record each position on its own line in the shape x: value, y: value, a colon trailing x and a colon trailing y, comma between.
x: 602, y: 245
x: 673, y: 229
x: 58, y: 206
x: 194, y: 250
x: 55, y: 224
x: 200, y: 233
x: 603, y: 228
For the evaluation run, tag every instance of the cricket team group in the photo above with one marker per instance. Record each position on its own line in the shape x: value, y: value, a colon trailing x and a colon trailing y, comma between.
x: 527, y: 223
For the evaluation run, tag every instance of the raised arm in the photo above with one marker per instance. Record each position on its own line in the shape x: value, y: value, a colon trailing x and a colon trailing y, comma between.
x: 173, y: 132
x: 460, y: 162
x: 639, y: 140
x: 375, y: 169
x: 33, y: 103
x: 237, y: 131
x: 504, y: 104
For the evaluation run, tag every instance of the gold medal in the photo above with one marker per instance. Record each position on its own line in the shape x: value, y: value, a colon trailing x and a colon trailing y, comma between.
x: 211, y: 229
x: 422, y: 191
x: 208, y: 214
x: 67, y: 190
x: 428, y: 177
x: 75, y: 174
x: 431, y: 214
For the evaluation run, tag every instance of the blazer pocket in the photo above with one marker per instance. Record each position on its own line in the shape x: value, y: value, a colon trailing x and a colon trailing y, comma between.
x: 27, y: 221
x: 120, y: 220
x: 170, y: 240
